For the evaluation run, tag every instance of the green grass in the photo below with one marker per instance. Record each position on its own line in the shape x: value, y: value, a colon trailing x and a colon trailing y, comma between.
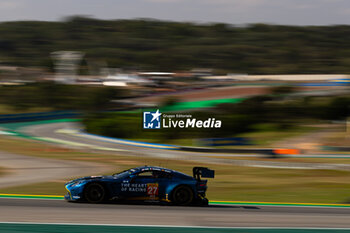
x: 280, y: 185
x: 178, y: 142
x: 2, y: 171
x: 46, y: 188
x: 180, y: 106
x: 248, y: 184
x: 5, y: 109
x: 285, y: 159
x: 265, y: 135
x: 231, y: 182
x: 190, y: 105
x: 17, y: 125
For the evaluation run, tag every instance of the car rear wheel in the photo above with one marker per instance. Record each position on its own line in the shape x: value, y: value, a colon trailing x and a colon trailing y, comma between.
x: 94, y: 193
x: 182, y: 195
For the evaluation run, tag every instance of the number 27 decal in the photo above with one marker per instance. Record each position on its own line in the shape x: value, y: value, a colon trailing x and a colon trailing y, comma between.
x: 152, y: 189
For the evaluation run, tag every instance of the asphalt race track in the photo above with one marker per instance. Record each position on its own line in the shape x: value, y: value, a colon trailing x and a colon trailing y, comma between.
x: 50, y: 131
x: 24, y: 170
x: 59, y: 211
x: 53, y: 132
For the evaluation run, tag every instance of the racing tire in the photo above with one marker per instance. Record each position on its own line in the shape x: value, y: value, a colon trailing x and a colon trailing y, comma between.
x: 182, y: 195
x: 205, y: 202
x: 94, y: 193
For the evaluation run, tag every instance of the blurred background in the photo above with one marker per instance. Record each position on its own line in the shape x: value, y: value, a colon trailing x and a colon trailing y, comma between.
x: 256, y: 78
x: 276, y: 75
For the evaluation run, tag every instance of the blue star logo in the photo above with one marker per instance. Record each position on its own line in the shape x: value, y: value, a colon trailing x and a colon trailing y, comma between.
x: 151, y: 120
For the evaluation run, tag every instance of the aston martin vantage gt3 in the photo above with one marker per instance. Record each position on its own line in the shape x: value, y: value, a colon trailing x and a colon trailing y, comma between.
x: 145, y: 184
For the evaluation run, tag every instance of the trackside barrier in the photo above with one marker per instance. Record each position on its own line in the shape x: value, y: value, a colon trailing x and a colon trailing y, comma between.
x: 38, y: 116
x: 233, y: 141
x: 271, y: 153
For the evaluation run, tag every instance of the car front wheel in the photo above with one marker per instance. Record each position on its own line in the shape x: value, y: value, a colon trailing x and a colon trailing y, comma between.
x: 94, y: 193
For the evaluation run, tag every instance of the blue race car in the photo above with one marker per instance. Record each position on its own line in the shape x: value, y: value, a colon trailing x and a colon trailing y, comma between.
x: 147, y: 184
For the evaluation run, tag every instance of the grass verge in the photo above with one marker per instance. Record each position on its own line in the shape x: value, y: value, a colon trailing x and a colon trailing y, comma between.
x: 231, y: 182
x: 265, y: 136
x: 5, y: 109
x: 2, y: 171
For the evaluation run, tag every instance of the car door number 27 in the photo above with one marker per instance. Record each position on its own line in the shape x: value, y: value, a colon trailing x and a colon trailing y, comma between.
x: 152, y: 189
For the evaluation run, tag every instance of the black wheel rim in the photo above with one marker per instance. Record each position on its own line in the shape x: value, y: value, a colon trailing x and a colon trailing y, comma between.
x: 182, y: 196
x: 95, y: 193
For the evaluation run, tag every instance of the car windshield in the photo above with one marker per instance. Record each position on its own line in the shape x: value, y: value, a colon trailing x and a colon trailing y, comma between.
x: 123, y: 173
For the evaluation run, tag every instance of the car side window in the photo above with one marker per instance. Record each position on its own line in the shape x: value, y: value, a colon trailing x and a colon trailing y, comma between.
x: 154, y: 174
x: 160, y: 174
x: 145, y: 174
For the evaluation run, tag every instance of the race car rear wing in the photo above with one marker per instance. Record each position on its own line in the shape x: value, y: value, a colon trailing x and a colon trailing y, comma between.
x: 204, y: 172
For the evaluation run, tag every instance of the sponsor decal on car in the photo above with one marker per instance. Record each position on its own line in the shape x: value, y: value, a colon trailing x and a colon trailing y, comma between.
x: 152, y: 189
x: 133, y: 187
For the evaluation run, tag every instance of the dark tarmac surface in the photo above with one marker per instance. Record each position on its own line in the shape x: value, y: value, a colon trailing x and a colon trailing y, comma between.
x: 59, y: 211
x: 51, y: 130
x: 24, y: 170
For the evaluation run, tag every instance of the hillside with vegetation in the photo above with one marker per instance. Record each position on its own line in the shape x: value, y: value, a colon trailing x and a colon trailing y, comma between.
x: 160, y: 45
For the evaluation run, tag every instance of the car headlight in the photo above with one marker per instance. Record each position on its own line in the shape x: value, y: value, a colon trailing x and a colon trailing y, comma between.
x: 77, y: 183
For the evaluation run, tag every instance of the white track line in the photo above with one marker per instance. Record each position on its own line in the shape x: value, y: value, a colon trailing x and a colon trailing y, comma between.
x: 175, y: 226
